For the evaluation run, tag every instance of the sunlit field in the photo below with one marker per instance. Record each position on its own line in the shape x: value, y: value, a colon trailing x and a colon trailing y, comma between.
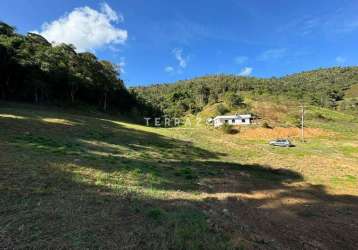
x: 79, y: 181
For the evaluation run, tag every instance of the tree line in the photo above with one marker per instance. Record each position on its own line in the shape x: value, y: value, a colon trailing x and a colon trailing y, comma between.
x: 321, y: 87
x: 34, y: 70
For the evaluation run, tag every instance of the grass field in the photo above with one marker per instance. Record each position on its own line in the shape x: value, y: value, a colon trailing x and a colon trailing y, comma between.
x: 96, y: 182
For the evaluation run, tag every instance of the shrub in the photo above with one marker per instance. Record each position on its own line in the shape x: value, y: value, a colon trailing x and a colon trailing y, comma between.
x: 233, y: 99
x: 266, y: 125
x: 229, y: 129
x: 296, y: 120
x: 297, y: 123
x: 321, y: 117
x: 221, y: 109
x: 155, y: 213
x: 187, y: 173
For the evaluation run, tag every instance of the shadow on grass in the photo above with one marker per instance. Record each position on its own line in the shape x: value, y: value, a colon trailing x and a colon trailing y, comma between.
x: 95, y: 184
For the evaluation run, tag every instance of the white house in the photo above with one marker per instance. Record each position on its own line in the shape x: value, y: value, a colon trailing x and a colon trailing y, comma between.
x: 232, y: 120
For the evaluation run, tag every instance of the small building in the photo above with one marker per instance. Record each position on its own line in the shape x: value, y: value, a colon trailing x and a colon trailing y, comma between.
x: 232, y: 120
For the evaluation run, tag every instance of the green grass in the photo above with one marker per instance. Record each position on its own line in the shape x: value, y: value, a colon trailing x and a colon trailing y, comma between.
x: 68, y: 180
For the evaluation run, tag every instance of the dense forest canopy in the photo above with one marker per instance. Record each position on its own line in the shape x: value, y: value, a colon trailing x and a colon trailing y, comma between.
x: 321, y: 87
x: 34, y: 70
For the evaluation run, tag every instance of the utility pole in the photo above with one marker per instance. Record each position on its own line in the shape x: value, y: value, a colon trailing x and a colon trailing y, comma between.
x: 303, y: 122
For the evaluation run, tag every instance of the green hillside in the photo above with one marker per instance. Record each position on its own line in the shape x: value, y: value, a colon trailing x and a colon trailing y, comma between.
x: 72, y: 181
x: 321, y: 87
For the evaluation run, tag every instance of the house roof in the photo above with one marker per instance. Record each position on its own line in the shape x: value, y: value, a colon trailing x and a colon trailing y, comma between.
x: 233, y: 116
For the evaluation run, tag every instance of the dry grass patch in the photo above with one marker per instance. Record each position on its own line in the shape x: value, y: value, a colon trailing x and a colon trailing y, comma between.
x: 267, y: 134
x: 270, y: 111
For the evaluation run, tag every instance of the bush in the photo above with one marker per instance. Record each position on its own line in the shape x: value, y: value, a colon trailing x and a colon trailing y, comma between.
x: 221, y: 109
x: 266, y: 125
x: 321, y: 117
x: 233, y: 99
x: 229, y: 129
x: 297, y: 123
x: 155, y: 213
x: 187, y: 173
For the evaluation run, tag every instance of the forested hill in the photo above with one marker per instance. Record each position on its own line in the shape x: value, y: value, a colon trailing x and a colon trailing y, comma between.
x: 321, y: 87
x: 34, y: 70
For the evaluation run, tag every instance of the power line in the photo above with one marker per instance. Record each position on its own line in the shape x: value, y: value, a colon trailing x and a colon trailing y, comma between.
x: 303, y: 122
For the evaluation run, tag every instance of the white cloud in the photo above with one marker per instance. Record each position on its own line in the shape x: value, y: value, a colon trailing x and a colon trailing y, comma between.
x: 340, y: 60
x: 87, y: 29
x: 169, y: 69
x: 182, y: 62
x: 246, y: 71
x: 110, y: 13
x: 241, y: 59
x: 272, y: 54
x: 122, y: 63
x: 178, y: 53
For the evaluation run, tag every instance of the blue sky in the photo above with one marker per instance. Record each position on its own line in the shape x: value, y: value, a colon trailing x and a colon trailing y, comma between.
x: 162, y: 41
